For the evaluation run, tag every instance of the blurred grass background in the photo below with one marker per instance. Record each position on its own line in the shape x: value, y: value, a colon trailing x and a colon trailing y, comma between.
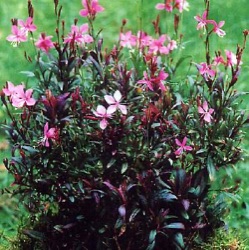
x: 140, y: 14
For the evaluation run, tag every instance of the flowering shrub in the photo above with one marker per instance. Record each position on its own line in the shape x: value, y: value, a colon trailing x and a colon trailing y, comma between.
x: 114, y: 149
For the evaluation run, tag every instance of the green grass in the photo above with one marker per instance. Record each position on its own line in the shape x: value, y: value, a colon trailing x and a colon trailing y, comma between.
x: 140, y: 14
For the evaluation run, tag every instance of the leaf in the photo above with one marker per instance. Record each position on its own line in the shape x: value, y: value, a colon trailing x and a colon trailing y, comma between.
x: 202, y: 150
x: 180, y: 179
x: 124, y: 167
x: 211, y: 168
x: 151, y: 246
x: 175, y: 225
x: 195, y: 191
x: 59, y: 228
x: 69, y: 225
x: 34, y: 234
x: 152, y: 235
x: 80, y: 217
x: 72, y: 199
x: 80, y: 185
x: 156, y: 124
x: 30, y: 149
x: 28, y: 73
x: 152, y: 241
x: 134, y: 214
x: 110, y: 163
x: 110, y: 186
x: 179, y: 241
x: 165, y: 195
x: 235, y: 197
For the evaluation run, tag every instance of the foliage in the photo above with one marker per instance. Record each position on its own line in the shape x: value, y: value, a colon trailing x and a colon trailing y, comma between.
x: 224, y: 240
x: 113, y: 148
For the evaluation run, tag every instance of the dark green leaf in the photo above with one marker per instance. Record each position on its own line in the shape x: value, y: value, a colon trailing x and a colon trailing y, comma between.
x: 71, y: 198
x: 180, y: 179
x: 134, y: 214
x: 175, y: 225
x: 179, y: 241
x: 124, y: 167
x: 30, y: 149
x: 210, y: 168
x: 165, y: 195
x: 34, y: 234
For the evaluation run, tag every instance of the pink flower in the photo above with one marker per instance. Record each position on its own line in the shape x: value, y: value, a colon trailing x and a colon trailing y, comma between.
x: 103, y: 113
x: 91, y: 8
x: 157, y: 46
x: 172, y: 45
x: 165, y: 6
x: 206, y: 71
x: 206, y: 113
x: 160, y: 78
x: 44, y: 43
x: 128, y: 40
x: 28, y: 25
x: 17, y: 36
x: 22, y: 98
x: 182, y: 146
x: 146, y: 80
x: 77, y: 35
x: 218, y: 60
x: 143, y: 39
x: 49, y: 134
x: 114, y: 102
x: 18, y: 96
x: 181, y: 5
x: 11, y: 89
x: 231, y: 58
x: 156, y: 82
x: 217, y: 27
x: 202, y: 20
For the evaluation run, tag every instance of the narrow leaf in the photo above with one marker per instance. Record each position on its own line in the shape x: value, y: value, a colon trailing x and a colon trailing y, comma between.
x: 175, y: 225
x: 211, y: 168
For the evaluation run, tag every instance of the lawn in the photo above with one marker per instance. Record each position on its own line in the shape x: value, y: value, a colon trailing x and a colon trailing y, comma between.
x: 140, y: 16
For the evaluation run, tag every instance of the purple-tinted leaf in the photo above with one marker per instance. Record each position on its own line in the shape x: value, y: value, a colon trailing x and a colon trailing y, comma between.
x: 122, y: 211
x: 186, y: 204
x: 69, y: 225
x: 199, y: 225
x: 110, y: 186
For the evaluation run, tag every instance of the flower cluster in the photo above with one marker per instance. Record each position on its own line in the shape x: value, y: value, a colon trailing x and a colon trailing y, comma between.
x: 203, y: 22
x: 114, y: 102
x: 91, y: 8
x: 78, y: 36
x: 169, y: 5
x: 20, y: 30
x: 18, y: 96
x: 162, y: 45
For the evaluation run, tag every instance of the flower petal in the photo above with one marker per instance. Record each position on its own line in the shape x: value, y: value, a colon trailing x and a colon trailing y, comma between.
x: 101, y: 110
x: 109, y: 99
x: 117, y: 95
x: 103, y: 124
x: 123, y: 109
